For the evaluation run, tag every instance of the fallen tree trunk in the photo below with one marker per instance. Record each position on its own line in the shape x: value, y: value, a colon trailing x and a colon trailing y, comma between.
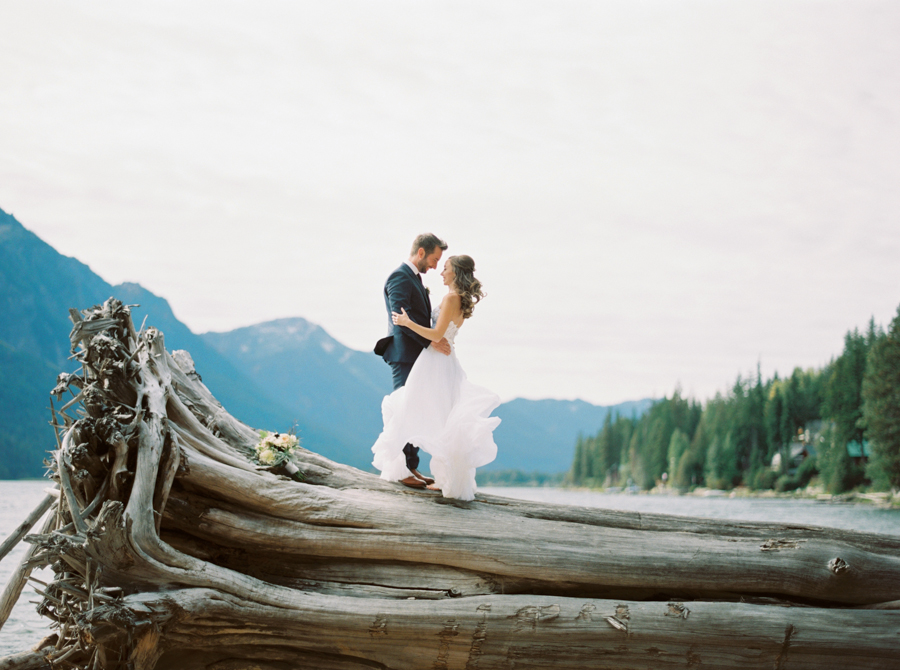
x: 174, y: 549
x: 521, y: 631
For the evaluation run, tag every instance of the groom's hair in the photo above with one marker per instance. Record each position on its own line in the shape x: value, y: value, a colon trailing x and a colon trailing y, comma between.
x: 429, y: 242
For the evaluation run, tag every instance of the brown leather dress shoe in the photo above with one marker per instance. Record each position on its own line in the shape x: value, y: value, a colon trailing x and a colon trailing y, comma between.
x: 427, y: 480
x: 413, y: 482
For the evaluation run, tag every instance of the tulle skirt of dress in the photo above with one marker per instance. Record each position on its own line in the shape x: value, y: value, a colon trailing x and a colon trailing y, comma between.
x: 443, y: 413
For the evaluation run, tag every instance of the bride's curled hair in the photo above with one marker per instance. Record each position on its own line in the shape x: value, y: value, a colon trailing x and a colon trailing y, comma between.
x: 468, y: 288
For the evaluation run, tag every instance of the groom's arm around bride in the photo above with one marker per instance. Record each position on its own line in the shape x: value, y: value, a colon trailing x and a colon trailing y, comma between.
x: 404, y: 290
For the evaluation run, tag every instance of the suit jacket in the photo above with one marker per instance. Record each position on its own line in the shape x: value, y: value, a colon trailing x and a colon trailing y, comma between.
x: 404, y: 289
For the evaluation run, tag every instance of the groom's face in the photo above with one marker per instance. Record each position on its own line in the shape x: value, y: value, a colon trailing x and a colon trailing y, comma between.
x: 430, y: 261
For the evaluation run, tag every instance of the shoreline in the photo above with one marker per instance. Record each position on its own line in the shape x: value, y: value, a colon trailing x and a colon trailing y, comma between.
x: 879, y: 499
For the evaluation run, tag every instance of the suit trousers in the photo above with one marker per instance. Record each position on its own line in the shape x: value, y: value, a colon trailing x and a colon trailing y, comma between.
x: 400, y: 373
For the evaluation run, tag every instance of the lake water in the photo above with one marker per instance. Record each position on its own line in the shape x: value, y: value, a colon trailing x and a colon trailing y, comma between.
x: 17, y: 498
x: 849, y: 516
x: 24, y: 628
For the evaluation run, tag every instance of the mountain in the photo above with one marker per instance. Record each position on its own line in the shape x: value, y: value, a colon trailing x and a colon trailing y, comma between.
x: 302, y: 365
x: 25, y: 434
x: 249, y: 398
x: 540, y: 435
x: 38, y: 285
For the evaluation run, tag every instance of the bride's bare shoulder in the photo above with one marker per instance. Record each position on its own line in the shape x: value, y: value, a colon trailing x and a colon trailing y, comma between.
x: 451, y: 300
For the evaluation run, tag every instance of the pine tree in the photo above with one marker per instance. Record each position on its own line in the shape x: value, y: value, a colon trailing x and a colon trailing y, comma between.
x: 693, y: 461
x: 881, y: 406
x: 774, y: 419
x: 656, y: 449
x: 587, y: 460
x: 843, y: 405
x: 605, y: 441
x: 721, y: 463
x: 678, y: 446
x: 759, y: 448
x: 577, y: 472
x: 789, y: 410
x: 838, y: 471
x: 637, y: 466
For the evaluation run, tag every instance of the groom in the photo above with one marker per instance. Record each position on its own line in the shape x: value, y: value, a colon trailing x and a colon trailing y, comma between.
x: 400, y: 349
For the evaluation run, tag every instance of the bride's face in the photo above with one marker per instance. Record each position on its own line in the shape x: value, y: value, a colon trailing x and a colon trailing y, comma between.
x: 448, y: 274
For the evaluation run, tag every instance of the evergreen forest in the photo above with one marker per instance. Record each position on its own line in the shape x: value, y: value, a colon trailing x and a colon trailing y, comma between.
x: 839, y: 424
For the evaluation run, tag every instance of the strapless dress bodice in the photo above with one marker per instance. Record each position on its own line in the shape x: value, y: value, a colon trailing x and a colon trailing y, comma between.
x: 452, y: 328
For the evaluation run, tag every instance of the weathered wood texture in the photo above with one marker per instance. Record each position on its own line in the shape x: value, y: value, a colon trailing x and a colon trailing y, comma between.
x: 175, y: 550
x: 20, y: 575
x: 27, y: 660
x: 525, y: 631
x: 22, y: 529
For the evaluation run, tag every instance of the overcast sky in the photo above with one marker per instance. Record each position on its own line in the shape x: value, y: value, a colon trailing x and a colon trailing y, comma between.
x: 655, y: 193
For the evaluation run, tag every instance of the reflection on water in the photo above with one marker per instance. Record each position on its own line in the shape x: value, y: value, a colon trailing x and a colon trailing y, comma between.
x: 17, y: 498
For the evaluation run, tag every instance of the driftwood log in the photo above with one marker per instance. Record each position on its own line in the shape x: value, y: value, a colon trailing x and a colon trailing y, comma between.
x: 171, y: 548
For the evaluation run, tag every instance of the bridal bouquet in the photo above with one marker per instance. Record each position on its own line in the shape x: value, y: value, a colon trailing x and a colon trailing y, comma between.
x: 276, y: 449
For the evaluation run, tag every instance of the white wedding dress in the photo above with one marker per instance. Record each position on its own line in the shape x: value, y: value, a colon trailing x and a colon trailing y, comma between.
x: 443, y: 413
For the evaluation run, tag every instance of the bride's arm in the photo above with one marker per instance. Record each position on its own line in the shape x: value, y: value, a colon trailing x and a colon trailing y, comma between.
x: 450, y: 310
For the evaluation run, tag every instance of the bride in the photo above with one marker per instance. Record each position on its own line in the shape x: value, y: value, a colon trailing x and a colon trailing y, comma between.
x: 439, y: 409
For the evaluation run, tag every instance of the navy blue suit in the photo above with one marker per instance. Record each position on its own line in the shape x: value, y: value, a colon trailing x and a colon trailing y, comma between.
x: 400, y: 349
x: 404, y: 290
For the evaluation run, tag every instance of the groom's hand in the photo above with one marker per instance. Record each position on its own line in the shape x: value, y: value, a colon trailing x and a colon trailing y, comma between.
x: 443, y: 346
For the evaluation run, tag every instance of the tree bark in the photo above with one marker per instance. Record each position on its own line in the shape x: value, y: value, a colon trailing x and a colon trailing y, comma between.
x: 176, y: 550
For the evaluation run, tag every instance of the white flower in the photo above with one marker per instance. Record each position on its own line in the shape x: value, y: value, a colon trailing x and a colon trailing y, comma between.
x: 273, y: 447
